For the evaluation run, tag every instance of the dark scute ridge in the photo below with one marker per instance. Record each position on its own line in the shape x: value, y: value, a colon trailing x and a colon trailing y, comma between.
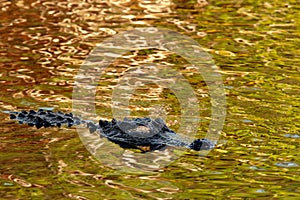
x: 142, y: 133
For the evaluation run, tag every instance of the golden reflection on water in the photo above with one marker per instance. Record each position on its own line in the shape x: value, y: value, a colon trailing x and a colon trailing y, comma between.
x: 255, y: 44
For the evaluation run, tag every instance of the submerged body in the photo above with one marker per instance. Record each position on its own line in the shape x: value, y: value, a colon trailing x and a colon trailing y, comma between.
x: 139, y: 133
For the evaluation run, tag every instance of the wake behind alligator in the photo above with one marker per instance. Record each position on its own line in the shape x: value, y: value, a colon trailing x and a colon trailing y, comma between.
x: 140, y: 133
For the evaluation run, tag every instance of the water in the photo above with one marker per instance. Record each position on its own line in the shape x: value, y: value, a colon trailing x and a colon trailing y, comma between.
x: 255, y: 44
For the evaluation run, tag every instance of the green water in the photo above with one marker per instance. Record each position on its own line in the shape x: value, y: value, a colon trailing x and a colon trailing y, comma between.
x: 255, y: 44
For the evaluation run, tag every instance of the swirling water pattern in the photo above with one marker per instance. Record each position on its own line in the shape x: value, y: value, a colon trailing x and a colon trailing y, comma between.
x: 254, y: 43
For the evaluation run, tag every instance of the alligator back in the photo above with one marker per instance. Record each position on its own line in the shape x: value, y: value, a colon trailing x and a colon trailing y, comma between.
x: 141, y: 133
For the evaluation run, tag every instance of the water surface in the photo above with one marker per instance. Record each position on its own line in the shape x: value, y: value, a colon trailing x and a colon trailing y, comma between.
x: 255, y: 44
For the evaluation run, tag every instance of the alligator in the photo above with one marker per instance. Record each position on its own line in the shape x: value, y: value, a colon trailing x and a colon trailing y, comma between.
x: 145, y: 133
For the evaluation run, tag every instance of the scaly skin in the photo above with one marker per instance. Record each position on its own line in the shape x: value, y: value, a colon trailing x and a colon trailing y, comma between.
x: 140, y: 133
